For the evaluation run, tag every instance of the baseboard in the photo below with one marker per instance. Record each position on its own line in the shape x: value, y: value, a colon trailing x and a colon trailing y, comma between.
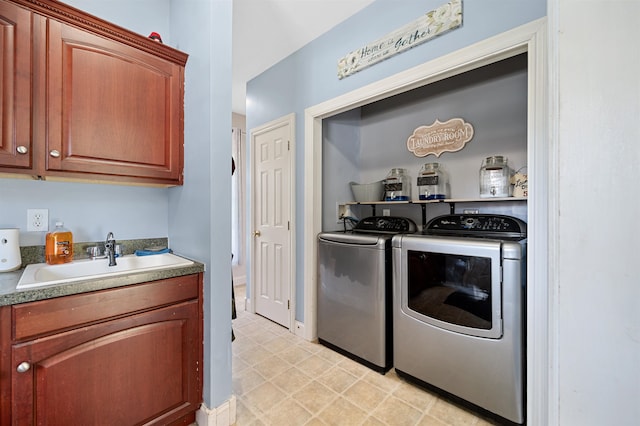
x: 223, y: 415
x: 299, y: 329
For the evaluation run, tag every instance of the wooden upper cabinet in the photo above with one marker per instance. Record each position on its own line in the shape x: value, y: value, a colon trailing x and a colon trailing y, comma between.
x: 16, y: 62
x: 107, y: 104
x: 111, y: 109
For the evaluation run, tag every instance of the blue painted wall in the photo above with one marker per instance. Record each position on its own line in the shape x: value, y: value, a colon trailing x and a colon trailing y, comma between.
x: 202, y: 29
x: 200, y: 211
x: 309, y: 76
x: 91, y: 211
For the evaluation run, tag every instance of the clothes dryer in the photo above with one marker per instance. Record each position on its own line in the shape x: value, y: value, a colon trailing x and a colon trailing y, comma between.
x: 458, y: 310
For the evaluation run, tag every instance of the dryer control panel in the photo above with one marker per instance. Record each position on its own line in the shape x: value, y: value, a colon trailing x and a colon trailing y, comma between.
x: 478, y: 225
x: 386, y: 225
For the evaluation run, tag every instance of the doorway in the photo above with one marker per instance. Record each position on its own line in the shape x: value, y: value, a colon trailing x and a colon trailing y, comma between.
x: 272, y: 220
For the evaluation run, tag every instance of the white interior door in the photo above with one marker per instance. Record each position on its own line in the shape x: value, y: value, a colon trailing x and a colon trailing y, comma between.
x: 272, y: 269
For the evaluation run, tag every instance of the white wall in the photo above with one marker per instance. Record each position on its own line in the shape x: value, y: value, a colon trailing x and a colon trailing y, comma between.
x: 597, y: 72
x: 239, y: 121
x: 240, y: 269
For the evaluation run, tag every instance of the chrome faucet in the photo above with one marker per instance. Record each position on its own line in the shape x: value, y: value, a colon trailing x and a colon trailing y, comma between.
x: 110, y: 249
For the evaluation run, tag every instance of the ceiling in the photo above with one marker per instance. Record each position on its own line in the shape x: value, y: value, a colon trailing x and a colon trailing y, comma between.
x: 267, y: 31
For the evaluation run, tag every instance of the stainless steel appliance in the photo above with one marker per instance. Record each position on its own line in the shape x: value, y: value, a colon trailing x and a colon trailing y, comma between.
x: 354, y: 290
x: 458, y: 310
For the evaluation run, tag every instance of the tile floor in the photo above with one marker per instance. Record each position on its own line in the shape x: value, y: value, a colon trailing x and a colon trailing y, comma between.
x: 281, y: 379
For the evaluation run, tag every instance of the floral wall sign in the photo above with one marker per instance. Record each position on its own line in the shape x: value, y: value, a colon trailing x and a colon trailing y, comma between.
x: 450, y: 136
x: 436, y: 22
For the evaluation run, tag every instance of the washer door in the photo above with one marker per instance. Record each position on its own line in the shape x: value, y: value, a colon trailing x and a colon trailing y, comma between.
x: 451, y: 283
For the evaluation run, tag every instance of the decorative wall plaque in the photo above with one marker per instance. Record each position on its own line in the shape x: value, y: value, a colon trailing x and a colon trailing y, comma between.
x: 450, y: 136
x: 438, y: 21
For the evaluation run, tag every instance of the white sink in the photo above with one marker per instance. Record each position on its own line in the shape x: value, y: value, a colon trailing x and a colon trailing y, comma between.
x: 42, y: 274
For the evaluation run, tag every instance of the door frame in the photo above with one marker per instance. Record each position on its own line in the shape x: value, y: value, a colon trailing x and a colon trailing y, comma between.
x: 542, y: 302
x: 290, y: 120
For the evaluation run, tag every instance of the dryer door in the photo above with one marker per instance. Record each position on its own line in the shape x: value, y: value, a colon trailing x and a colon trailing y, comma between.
x: 451, y: 283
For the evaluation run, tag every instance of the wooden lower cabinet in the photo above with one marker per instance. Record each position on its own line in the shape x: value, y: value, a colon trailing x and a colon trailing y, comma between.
x: 99, y: 365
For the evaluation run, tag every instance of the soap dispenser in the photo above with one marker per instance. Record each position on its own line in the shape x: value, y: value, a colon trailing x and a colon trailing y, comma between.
x: 58, y: 245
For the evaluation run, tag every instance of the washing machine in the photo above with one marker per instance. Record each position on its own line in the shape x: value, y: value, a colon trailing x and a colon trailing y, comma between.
x: 354, y: 311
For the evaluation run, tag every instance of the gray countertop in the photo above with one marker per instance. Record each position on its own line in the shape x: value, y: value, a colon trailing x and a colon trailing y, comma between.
x: 10, y: 296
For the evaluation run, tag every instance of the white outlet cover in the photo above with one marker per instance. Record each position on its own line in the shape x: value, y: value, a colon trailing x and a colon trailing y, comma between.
x: 37, y: 220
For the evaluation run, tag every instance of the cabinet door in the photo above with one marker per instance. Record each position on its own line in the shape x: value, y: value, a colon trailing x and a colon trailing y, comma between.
x: 142, y: 369
x: 113, y: 111
x: 15, y: 87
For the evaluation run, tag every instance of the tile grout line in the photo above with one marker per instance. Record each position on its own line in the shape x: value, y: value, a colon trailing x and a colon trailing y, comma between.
x: 248, y: 326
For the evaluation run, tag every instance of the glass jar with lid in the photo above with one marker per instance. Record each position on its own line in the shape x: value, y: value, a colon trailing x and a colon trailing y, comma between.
x: 397, y: 185
x: 495, y: 177
x: 432, y: 182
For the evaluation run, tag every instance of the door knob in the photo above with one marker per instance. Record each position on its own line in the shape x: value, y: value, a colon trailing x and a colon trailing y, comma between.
x: 23, y: 367
x: 22, y: 149
x: 257, y: 234
x: 54, y: 153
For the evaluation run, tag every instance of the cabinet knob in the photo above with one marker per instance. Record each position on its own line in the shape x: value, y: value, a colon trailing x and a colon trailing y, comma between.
x: 22, y: 149
x: 23, y: 367
x: 54, y: 153
x: 257, y: 234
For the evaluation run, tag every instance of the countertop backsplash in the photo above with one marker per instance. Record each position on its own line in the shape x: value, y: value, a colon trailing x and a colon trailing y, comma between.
x: 35, y: 254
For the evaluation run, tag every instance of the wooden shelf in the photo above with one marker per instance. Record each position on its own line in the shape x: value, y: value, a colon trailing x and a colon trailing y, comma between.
x: 446, y: 200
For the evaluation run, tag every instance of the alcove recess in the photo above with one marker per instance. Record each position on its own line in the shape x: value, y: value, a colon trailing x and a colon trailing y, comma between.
x: 362, y: 144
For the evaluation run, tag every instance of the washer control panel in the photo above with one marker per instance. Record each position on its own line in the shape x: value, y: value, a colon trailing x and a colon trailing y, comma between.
x: 386, y: 225
x: 477, y: 225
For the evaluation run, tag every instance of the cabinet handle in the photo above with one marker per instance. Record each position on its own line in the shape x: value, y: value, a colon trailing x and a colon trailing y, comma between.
x: 22, y: 149
x: 54, y: 153
x: 23, y: 367
x: 257, y: 234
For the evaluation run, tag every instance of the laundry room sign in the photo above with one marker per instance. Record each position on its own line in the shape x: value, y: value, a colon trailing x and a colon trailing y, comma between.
x: 438, y: 21
x: 450, y: 136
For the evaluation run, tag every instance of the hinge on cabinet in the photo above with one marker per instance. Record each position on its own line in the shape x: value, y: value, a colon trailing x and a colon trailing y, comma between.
x: 288, y: 226
x: 288, y: 304
x: 288, y: 145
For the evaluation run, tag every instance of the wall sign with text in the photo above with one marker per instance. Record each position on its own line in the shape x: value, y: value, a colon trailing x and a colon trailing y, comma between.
x: 450, y: 136
x: 436, y: 22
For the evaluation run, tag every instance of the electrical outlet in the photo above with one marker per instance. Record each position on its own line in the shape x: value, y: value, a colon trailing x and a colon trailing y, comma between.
x: 37, y: 220
x: 342, y: 211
